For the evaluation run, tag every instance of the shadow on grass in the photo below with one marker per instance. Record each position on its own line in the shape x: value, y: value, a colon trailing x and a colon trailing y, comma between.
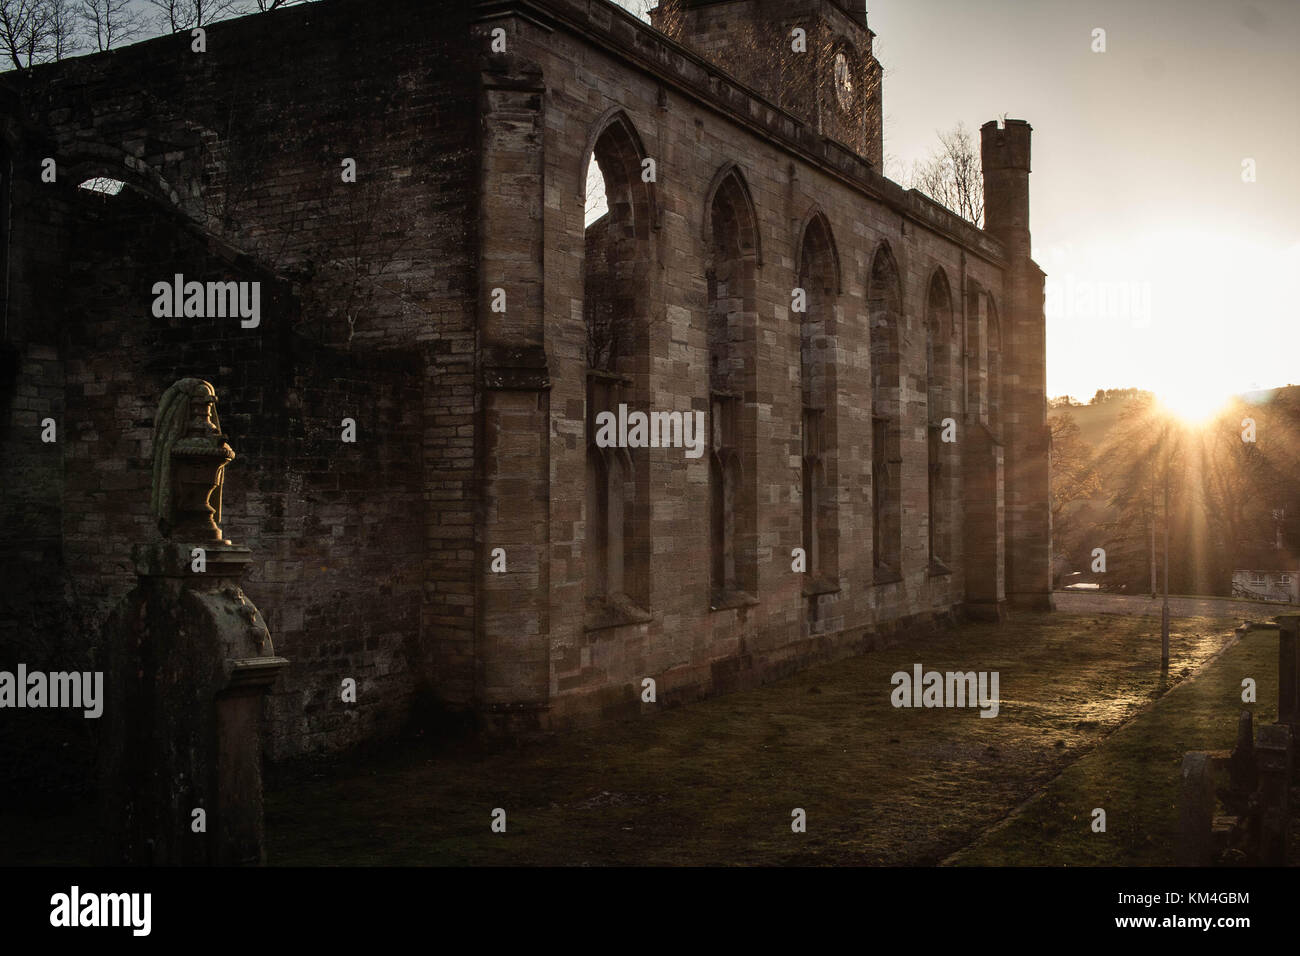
x: 1134, y: 774
x: 716, y: 782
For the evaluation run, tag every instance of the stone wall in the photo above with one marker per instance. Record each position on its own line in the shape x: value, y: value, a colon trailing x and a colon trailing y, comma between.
x: 696, y: 128
x: 363, y: 549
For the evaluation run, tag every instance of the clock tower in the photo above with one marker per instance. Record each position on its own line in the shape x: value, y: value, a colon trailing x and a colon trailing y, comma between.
x: 812, y: 57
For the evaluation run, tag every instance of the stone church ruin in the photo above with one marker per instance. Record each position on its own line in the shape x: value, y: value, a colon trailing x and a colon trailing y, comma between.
x: 418, y: 482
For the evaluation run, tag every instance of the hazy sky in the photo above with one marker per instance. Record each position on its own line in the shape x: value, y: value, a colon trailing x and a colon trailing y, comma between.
x: 1165, y: 269
x: 1136, y: 190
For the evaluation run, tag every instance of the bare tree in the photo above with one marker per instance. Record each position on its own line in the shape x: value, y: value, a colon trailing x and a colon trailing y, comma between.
x: 952, y: 176
x: 109, y: 23
x: 668, y: 16
x: 22, y: 31
x: 175, y: 15
x: 638, y: 8
x: 375, y: 234
x: 1074, y: 482
x: 171, y: 13
x: 65, y: 39
x: 208, y: 11
x: 36, y: 31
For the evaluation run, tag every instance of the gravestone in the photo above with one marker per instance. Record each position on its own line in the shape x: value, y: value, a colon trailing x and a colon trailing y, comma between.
x: 1288, y: 670
x: 1274, y: 749
x: 1196, y: 819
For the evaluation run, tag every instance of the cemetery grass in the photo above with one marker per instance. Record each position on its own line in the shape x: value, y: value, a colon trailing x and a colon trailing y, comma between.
x: 714, y: 782
x: 1134, y: 774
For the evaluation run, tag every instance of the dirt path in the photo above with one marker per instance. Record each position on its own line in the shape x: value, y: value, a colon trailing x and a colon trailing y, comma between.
x: 1082, y: 602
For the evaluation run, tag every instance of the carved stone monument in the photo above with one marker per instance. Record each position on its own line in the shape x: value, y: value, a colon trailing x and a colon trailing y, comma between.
x: 190, y: 660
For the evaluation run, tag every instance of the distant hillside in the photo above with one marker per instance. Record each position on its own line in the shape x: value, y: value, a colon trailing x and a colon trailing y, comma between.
x: 1096, y: 422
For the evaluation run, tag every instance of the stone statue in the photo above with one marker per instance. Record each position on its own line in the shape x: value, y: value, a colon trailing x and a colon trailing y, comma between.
x: 188, y: 662
x: 189, y: 459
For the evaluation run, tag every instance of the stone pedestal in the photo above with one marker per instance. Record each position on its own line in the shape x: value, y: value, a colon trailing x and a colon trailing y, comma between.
x: 191, y: 660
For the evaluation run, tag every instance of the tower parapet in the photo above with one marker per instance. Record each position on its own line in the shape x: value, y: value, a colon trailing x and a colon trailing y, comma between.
x: 1005, y: 154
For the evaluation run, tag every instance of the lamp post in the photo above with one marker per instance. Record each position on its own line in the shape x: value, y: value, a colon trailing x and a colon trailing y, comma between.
x: 1164, y: 611
x: 1154, y: 579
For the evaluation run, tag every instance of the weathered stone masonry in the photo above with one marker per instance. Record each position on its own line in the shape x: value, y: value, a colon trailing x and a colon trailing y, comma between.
x: 712, y: 138
x: 362, y: 550
x: 373, y: 559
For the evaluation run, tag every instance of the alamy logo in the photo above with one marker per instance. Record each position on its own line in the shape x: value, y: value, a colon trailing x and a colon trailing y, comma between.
x: 102, y: 909
x: 210, y: 300
x: 59, y: 689
x: 954, y: 689
x: 656, y: 430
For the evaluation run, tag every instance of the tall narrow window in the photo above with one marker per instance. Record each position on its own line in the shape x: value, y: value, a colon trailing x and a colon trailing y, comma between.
x: 939, y: 332
x: 819, y: 281
x: 730, y: 279
x: 617, y: 250
x: 994, y: 340
x: 995, y: 370
x: 884, y: 306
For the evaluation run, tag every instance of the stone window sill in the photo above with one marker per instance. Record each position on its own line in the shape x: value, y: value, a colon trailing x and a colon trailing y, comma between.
x: 938, y: 569
x: 821, y: 586
x: 612, y: 611
x: 725, y: 600
x: 886, y: 576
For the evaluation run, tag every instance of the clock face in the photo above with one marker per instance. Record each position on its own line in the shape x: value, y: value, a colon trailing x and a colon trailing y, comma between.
x: 843, y: 81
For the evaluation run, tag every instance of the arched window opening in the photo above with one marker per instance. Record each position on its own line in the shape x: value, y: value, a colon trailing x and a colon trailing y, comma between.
x: 596, y: 205
x: 995, y: 370
x: 730, y: 280
x: 616, y: 247
x: 819, y: 280
x: 102, y: 185
x: 884, y: 311
x: 939, y: 333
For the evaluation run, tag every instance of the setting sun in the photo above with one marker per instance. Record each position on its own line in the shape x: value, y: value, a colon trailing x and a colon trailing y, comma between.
x: 1191, y: 403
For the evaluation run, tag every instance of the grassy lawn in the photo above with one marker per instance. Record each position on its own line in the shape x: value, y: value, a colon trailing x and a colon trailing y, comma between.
x: 1134, y: 774
x: 715, y: 782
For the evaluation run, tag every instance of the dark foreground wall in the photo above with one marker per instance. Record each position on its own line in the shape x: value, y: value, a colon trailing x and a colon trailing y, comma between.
x: 232, y: 160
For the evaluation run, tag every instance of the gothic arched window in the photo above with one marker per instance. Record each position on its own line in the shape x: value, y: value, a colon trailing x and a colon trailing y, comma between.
x: 884, y: 312
x: 616, y: 298
x: 732, y: 318
x: 819, y: 282
x: 940, y: 407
